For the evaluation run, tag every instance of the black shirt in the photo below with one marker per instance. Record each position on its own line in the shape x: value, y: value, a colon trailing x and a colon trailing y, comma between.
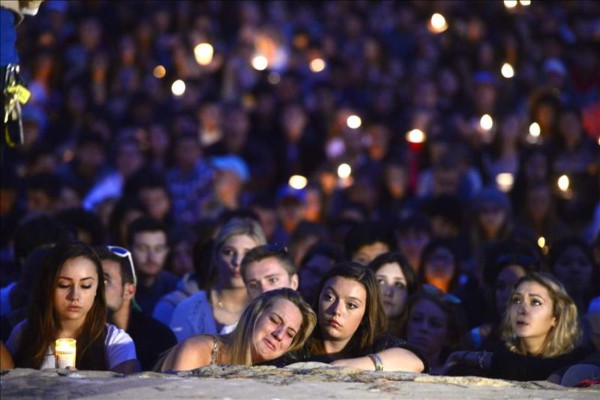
x: 151, y: 338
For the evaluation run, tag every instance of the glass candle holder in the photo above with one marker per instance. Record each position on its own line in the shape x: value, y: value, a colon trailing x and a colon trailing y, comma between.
x: 65, y: 350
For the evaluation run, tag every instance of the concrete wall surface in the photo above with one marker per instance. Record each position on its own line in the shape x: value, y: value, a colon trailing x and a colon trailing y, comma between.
x: 299, y: 381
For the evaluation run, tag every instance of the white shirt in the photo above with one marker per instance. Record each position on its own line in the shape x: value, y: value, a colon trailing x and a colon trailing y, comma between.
x: 118, y: 345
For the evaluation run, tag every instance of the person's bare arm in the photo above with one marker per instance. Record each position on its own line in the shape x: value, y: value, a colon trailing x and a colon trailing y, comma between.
x: 6, y: 360
x: 393, y: 359
x: 192, y: 353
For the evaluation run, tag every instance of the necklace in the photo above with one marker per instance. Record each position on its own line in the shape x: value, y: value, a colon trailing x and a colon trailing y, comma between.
x: 218, y: 299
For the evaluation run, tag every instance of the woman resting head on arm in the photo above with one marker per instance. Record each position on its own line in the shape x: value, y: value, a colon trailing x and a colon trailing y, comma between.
x: 68, y: 302
x: 274, y: 323
x: 351, y: 320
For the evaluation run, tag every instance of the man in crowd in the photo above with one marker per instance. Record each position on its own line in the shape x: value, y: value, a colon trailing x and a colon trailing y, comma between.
x: 147, y: 239
x: 266, y: 268
x: 151, y: 337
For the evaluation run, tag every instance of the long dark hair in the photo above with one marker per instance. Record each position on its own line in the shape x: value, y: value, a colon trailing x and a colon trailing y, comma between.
x: 396, y: 324
x: 374, y: 320
x: 43, y: 325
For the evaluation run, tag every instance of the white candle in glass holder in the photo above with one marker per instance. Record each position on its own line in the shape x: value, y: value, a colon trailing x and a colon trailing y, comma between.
x: 65, y: 350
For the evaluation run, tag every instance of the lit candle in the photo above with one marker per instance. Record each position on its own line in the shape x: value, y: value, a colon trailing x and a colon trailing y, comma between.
x: 541, y: 242
x: 317, y: 65
x: 353, y: 122
x: 438, y: 23
x: 297, y: 182
x: 344, y: 170
x: 505, y: 181
x: 486, y: 122
x: 203, y: 52
x: 65, y: 350
x: 178, y: 88
x: 259, y: 62
x: 563, y: 183
x: 507, y: 71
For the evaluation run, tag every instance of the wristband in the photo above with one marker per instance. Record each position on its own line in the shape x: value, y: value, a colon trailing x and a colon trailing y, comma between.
x: 376, y: 361
x: 480, y: 359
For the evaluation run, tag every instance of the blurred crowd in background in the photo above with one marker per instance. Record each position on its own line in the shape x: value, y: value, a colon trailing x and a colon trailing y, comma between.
x: 469, y: 121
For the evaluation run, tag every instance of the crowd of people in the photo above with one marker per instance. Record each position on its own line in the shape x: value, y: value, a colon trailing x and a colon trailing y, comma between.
x: 399, y: 186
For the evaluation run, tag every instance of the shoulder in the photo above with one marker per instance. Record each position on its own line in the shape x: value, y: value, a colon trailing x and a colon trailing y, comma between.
x: 197, y: 349
x: 172, y: 298
x: 169, y: 279
x: 116, y: 335
x: 14, y: 339
x: 198, y: 300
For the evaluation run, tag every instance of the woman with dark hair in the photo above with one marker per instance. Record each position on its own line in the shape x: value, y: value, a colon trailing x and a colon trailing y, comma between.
x: 437, y: 325
x: 570, y: 259
x: 397, y: 282
x: 441, y: 268
x: 440, y: 265
x: 538, y: 214
x: 68, y: 302
x: 350, y: 326
x: 275, y: 322
x: 492, y: 220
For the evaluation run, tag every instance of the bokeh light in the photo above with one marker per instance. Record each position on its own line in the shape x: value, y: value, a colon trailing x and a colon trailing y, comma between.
x: 203, y: 52
x: 505, y: 181
x: 178, y: 88
x: 344, y: 171
x: 507, y: 71
x: 297, y: 182
x: 415, y: 136
x: 563, y: 183
x: 353, y: 122
x: 486, y: 122
x: 159, y: 72
x: 438, y: 23
x: 317, y: 65
x: 260, y: 63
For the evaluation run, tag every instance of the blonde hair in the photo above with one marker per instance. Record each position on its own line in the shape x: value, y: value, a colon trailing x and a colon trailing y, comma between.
x: 237, y: 227
x: 563, y: 336
x: 240, y: 340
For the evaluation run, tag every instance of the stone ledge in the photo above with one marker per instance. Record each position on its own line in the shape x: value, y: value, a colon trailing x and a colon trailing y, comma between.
x: 298, y: 381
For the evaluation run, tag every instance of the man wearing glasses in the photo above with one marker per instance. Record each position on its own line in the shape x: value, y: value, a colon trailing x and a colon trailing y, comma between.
x: 147, y: 239
x: 120, y: 288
